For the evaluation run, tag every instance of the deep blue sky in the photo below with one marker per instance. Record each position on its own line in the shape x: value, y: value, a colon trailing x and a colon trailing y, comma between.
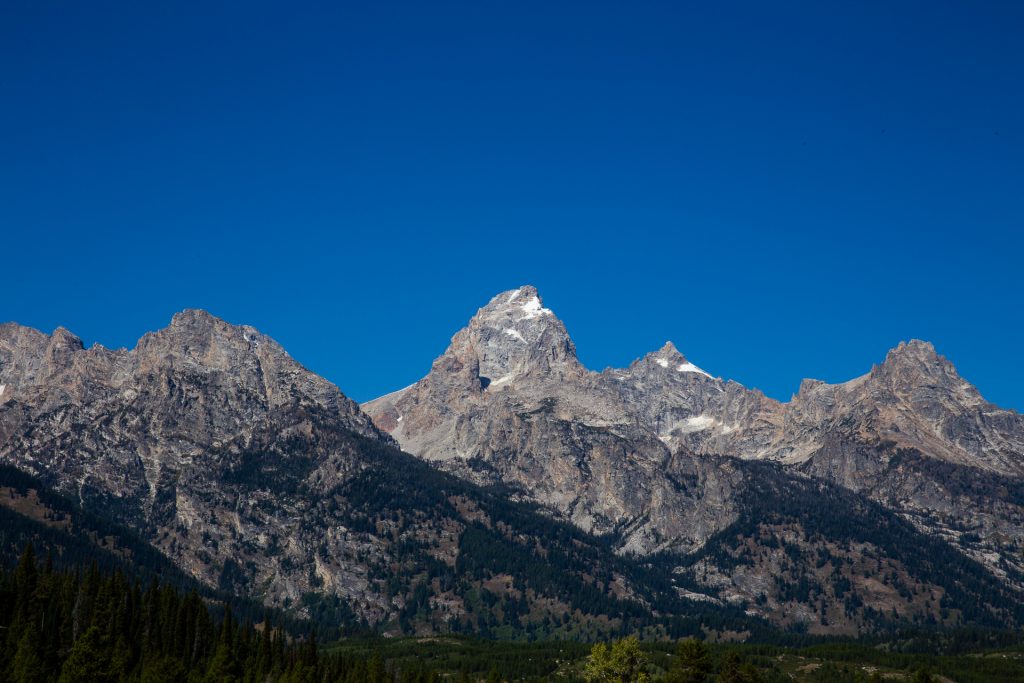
x: 783, y: 189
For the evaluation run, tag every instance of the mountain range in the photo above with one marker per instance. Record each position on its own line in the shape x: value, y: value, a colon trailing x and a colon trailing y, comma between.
x: 512, y: 490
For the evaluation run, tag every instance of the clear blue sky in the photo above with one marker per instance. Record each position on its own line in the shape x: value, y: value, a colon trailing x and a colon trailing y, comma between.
x: 783, y: 189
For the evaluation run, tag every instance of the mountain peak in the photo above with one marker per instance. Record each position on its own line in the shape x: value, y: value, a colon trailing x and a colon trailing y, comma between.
x: 512, y: 336
x: 200, y: 324
x: 915, y: 366
x: 669, y: 357
x: 668, y: 350
x: 915, y: 348
x: 917, y: 356
x: 192, y: 317
x: 518, y: 314
x: 65, y: 338
x: 523, y: 303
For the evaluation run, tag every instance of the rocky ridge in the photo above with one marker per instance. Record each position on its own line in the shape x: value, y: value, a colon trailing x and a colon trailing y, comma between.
x: 260, y: 478
x: 509, y: 401
x: 257, y: 476
x: 153, y: 434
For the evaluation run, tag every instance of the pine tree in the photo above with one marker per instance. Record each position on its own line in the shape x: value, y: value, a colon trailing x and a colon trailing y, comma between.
x: 375, y: 670
x: 224, y: 666
x: 28, y: 666
x: 87, y: 662
x: 692, y: 663
x: 736, y: 671
x: 164, y: 670
x: 25, y: 604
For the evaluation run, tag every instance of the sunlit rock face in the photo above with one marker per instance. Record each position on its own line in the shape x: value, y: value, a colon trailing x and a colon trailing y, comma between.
x: 509, y: 402
x: 228, y: 455
x: 206, y: 437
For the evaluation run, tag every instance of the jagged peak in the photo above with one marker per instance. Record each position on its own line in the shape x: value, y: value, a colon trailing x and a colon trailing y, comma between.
x: 917, y: 356
x: 513, y: 335
x: 64, y: 337
x: 511, y: 295
x: 198, y: 319
x: 194, y: 316
x: 668, y: 350
x: 670, y: 358
x: 522, y: 303
x: 519, y: 315
x: 909, y: 364
x: 665, y: 356
x: 915, y: 348
x: 193, y: 331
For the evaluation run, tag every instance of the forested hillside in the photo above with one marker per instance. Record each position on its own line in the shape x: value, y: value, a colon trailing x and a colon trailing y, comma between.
x: 96, y: 627
x: 858, y: 569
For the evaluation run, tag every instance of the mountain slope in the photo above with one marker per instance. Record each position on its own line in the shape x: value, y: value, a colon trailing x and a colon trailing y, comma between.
x: 259, y: 478
x: 806, y: 553
x: 545, y: 499
x: 509, y: 402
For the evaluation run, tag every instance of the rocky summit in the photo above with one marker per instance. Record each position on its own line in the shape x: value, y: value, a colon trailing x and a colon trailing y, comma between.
x: 160, y: 435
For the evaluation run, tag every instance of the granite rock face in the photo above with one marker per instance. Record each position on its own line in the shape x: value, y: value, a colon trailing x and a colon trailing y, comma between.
x: 509, y: 401
x: 167, y: 436
x: 254, y: 474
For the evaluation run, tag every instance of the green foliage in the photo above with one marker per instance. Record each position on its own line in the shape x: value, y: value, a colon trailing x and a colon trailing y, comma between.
x: 95, y: 627
x: 775, y: 497
x: 163, y: 670
x: 922, y: 676
x: 28, y: 665
x: 562, y: 577
x: 735, y: 670
x: 692, y: 663
x: 835, y: 661
x: 623, y: 662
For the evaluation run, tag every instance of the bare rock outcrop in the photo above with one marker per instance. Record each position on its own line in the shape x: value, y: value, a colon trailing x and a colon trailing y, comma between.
x: 510, y: 402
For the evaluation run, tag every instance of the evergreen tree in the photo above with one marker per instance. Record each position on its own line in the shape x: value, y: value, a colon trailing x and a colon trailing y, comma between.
x: 87, y: 662
x: 164, y: 670
x: 375, y: 670
x: 28, y: 665
x: 692, y: 663
x: 735, y: 670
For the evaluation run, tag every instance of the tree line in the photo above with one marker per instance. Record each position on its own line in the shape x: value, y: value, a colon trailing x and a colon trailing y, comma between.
x: 87, y: 626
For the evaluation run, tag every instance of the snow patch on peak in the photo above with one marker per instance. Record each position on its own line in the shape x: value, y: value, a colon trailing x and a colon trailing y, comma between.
x: 513, y: 333
x: 513, y: 295
x: 533, y: 309
x: 662, y: 362
x: 690, y: 367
